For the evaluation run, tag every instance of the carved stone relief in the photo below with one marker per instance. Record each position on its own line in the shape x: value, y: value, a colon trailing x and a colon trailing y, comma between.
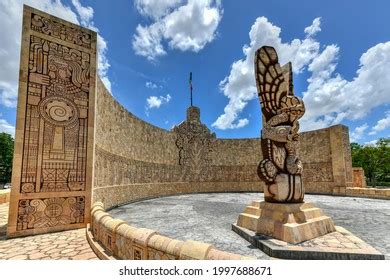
x: 195, y: 143
x: 55, y: 143
x: 52, y: 177
x: 50, y: 212
x: 60, y: 31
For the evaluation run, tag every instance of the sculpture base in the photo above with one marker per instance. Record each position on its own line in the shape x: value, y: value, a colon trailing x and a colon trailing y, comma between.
x: 290, y: 222
x: 338, y: 245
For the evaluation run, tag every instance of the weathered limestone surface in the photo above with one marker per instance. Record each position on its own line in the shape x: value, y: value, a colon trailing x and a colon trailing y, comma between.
x: 369, y: 192
x: 4, y: 196
x: 359, y: 180
x: 135, y: 160
x: 113, y: 238
x: 53, y: 158
x: 290, y: 222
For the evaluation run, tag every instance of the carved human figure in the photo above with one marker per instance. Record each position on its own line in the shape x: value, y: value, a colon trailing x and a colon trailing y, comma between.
x: 58, y: 86
x: 281, y: 168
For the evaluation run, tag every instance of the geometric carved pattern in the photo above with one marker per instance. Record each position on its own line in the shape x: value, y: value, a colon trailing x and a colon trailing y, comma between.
x: 195, y: 142
x: 57, y: 115
x: 49, y: 212
x: 55, y: 29
x: 52, y: 176
x: 137, y: 253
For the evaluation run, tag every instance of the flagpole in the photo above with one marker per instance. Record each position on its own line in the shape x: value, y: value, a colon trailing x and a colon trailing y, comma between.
x: 191, y: 87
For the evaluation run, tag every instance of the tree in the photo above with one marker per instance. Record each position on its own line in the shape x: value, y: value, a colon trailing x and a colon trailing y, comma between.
x: 375, y: 161
x: 6, y: 155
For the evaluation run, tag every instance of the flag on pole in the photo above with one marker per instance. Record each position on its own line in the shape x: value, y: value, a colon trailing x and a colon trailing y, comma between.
x: 191, y: 81
x: 191, y: 86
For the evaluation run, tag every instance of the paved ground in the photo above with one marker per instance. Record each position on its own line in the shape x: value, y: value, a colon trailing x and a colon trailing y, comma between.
x: 68, y: 245
x: 208, y: 218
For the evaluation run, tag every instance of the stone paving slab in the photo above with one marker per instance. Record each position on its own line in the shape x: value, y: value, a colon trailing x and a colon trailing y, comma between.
x: 66, y: 245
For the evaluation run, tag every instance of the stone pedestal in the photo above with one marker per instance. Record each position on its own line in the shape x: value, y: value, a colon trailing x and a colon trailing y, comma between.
x: 290, y: 222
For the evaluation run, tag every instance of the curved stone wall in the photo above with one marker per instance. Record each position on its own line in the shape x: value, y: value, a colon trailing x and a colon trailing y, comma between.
x: 135, y: 160
x: 114, y: 238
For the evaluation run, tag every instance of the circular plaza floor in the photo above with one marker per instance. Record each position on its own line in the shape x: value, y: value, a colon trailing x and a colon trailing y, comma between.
x: 208, y: 218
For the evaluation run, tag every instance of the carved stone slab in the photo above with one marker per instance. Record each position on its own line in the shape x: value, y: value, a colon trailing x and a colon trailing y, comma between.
x: 195, y: 143
x: 53, y: 158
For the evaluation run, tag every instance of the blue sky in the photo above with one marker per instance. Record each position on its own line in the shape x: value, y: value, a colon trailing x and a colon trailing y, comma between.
x: 340, y: 52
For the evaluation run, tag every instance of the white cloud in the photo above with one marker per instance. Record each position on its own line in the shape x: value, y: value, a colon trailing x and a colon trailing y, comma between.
x: 371, y: 143
x: 185, y: 26
x: 314, y: 28
x: 157, y: 101
x: 330, y: 98
x: 85, y: 13
x: 240, y: 86
x: 11, y: 12
x: 151, y: 85
x: 7, y: 127
x: 242, y: 122
x: 103, y: 64
x: 358, y: 133
x: 155, y: 9
x: 147, y: 41
x: 382, y: 124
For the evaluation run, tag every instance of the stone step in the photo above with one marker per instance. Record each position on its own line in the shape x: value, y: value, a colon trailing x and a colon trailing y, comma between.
x: 248, y: 221
x: 312, y: 213
x: 252, y: 210
x: 256, y: 203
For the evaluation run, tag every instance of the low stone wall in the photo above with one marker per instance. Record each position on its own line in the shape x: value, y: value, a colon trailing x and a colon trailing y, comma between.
x: 4, y: 196
x: 114, y: 238
x: 368, y: 192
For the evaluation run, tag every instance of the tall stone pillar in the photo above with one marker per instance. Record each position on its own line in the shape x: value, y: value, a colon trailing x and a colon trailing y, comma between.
x: 341, y: 158
x: 53, y: 159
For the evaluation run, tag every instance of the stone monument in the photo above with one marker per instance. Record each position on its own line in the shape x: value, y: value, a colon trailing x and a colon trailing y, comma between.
x: 284, y: 225
x: 54, y: 141
x: 283, y: 215
x: 194, y: 142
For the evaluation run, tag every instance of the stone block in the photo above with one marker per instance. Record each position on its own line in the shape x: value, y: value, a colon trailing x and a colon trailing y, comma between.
x: 290, y: 222
x: 194, y: 250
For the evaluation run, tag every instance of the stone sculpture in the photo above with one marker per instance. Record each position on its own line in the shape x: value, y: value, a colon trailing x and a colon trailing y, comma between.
x: 283, y: 215
x: 281, y: 168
